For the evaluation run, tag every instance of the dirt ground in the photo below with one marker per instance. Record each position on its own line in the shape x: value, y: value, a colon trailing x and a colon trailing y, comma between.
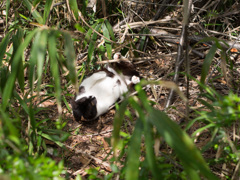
x: 89, y: 144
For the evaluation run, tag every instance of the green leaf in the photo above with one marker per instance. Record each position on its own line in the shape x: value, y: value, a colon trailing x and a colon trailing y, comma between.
x: 84, y: 6
x: 7, y: 92
x: 92, y: 44
x: 34, y: 57
x: 143, y: 38
x: 80, y: 28
x: 3, y: 47
x: 74, y: 7
x: 207, y: 63
x: 7, y: 10
x: 17, y: 41
x: 205, y: 103
x: 181, y: 143
x: 88, y: 35
x: 8, y: 123
x: 37, y: 57
x: 33, y: 11
x: 134, y: 151
x: 47, y: 9
x: 149, y: 141
x: 110, y: 29
x: 52, y: 138
x: 52, y: 48
x: 35, y: 2
x: 118, y: 120
x: 70, y: 55
x: 107, y: 43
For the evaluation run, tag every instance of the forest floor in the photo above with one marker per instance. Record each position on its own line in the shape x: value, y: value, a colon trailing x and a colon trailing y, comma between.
x: 89, y: 144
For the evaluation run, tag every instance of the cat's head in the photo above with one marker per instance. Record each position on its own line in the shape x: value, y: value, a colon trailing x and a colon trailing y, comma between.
x: 85, y: 107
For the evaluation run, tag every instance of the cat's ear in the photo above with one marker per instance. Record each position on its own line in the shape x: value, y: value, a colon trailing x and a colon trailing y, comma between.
x: 93, y: 101
x: 81, y: 90
x: 77, y: 113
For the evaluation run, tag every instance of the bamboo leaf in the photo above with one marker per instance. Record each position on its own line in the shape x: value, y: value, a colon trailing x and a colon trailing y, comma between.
x: 33, y: 11
x: 41, y: 53
x: 3, y: 47
x: 149, y: 141
x: 107, y: 43
x: 12, y: 129
x: 92, y: 44
x: 51, y: 138
x: 110, y: 30
x: 47, y: 9
x: 7, y: 10
x: 118, y: 120
x: 74, y: 7
x: 181, y: 143
x: 88, y: 35
x: 52, y: 48
x: 207, y: 63
x: 7, y: 92
x: 35, y: 2
x: 37, y: 56
x: 134, y: 152
x: 17, y: 41
x: 70, y: 55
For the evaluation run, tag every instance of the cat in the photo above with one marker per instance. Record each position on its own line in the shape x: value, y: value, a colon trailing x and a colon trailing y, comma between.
x: 102, y: 89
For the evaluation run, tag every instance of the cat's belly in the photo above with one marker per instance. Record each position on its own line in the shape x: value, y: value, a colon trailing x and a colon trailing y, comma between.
x: 108, y: 93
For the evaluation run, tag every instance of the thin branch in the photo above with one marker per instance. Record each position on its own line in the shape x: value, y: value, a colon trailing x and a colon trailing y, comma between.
x: 182, y: 43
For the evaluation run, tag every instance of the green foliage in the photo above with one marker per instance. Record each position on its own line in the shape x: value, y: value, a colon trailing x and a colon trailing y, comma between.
x: 91, y: 38
x: 150, y: 119
x: 32, y: 51
x: 22, y: 135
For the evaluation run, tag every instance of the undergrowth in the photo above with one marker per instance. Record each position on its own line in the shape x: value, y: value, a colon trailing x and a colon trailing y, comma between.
x: 39, y: 61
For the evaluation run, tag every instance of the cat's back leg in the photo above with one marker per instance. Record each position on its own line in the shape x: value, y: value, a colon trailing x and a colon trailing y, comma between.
x: 89, y: 81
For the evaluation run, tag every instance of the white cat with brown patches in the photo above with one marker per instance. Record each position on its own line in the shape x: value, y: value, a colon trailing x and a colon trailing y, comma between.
x: 103, y: 88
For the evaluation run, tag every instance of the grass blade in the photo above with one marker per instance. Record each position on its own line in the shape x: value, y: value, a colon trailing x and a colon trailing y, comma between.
x: 134, y: 152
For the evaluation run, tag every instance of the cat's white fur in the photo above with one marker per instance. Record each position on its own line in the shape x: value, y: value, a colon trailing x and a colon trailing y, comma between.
x: 107, y: 90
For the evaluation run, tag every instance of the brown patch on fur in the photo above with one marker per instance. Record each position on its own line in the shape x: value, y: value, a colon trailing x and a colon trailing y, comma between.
x: 81, y: 90
x: 118, y: 82
x: 126, y: 68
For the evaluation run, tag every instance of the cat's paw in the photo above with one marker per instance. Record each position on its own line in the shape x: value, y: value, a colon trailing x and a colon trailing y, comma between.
x: 117, y: 56
x: 135, y: 79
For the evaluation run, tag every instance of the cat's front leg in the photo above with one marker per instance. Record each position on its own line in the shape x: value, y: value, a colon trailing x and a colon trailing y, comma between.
x: 135, y: 79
